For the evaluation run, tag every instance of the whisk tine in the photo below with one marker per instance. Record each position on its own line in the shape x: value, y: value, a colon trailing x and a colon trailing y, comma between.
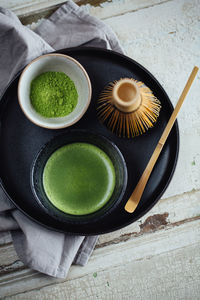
x: 127, y: 128
x: 104, y: 114
x: 114, y: 120
x: 124, y: 125
x: 134, y: 127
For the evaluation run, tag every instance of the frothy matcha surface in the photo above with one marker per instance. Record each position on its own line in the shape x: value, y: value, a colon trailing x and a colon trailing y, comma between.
x: 79, y: 178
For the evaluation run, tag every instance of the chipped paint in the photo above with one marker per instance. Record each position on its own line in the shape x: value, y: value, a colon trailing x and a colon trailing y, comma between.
x: 154, y: 222
x: 31, y: 11
x: 94, y: 3
x: 16, y: 265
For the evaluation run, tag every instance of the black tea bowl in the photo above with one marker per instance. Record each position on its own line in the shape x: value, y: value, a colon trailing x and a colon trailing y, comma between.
x: 78, y: 136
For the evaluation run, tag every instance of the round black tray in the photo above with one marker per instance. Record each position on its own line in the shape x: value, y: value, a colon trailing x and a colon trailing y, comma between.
x: 20, y: 140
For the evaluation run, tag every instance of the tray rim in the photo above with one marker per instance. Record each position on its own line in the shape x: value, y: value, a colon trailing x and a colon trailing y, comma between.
x: 123, y: 56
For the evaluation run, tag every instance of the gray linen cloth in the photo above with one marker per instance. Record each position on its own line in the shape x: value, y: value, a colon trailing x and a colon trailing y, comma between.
x: 41, y: 249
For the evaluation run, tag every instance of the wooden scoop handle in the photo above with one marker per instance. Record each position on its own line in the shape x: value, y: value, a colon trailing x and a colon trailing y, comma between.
x: 135, y: 197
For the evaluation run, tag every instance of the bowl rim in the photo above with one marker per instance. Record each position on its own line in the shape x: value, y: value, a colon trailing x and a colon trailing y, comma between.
x: 89, y: 89
x: 79, y: 219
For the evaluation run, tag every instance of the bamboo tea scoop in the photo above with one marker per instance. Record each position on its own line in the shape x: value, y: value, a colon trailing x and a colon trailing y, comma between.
x: 135, y: 197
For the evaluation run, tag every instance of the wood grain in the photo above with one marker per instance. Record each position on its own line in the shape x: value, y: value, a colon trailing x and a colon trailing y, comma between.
x: 165, y: 219
x: 165, y: 264
x: 30, y: 11
x: 28, y: 7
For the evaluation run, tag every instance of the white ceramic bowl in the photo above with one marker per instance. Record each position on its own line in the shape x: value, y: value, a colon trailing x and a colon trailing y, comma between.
x: 60, y: 63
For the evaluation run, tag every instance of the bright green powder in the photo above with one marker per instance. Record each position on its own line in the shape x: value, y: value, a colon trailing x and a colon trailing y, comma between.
x: 53, y: 94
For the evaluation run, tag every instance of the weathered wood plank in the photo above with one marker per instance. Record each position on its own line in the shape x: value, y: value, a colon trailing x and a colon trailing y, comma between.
x: 167, y: 213
x: 165, y: 217
x: 30, y: 11
x: 7, y: 255
x: 27, y: 7
x: 164, y: 263
x: 113, y: 8
x: 100, y: 7
x: 5, y: 238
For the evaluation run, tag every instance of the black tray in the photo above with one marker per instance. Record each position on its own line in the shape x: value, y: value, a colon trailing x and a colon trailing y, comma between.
x: 20, y: 140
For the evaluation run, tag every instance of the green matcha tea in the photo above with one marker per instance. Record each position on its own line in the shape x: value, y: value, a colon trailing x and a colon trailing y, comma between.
x: 53, y: 94
x: 79, y: 178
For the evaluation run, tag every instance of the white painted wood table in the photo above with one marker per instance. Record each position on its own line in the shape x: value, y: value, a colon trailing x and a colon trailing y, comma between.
x: 159, y: 255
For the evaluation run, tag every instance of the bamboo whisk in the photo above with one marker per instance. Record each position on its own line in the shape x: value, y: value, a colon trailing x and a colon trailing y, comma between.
x: 128, y: 107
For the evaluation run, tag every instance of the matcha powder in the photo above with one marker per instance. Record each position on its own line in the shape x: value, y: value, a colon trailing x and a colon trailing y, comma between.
x: 53, y: 94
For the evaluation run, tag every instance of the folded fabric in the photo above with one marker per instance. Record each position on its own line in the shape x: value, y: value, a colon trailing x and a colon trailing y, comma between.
x: 41, y: 249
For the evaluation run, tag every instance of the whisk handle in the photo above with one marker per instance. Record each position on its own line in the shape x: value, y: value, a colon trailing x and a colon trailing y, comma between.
x: 135, y: 197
